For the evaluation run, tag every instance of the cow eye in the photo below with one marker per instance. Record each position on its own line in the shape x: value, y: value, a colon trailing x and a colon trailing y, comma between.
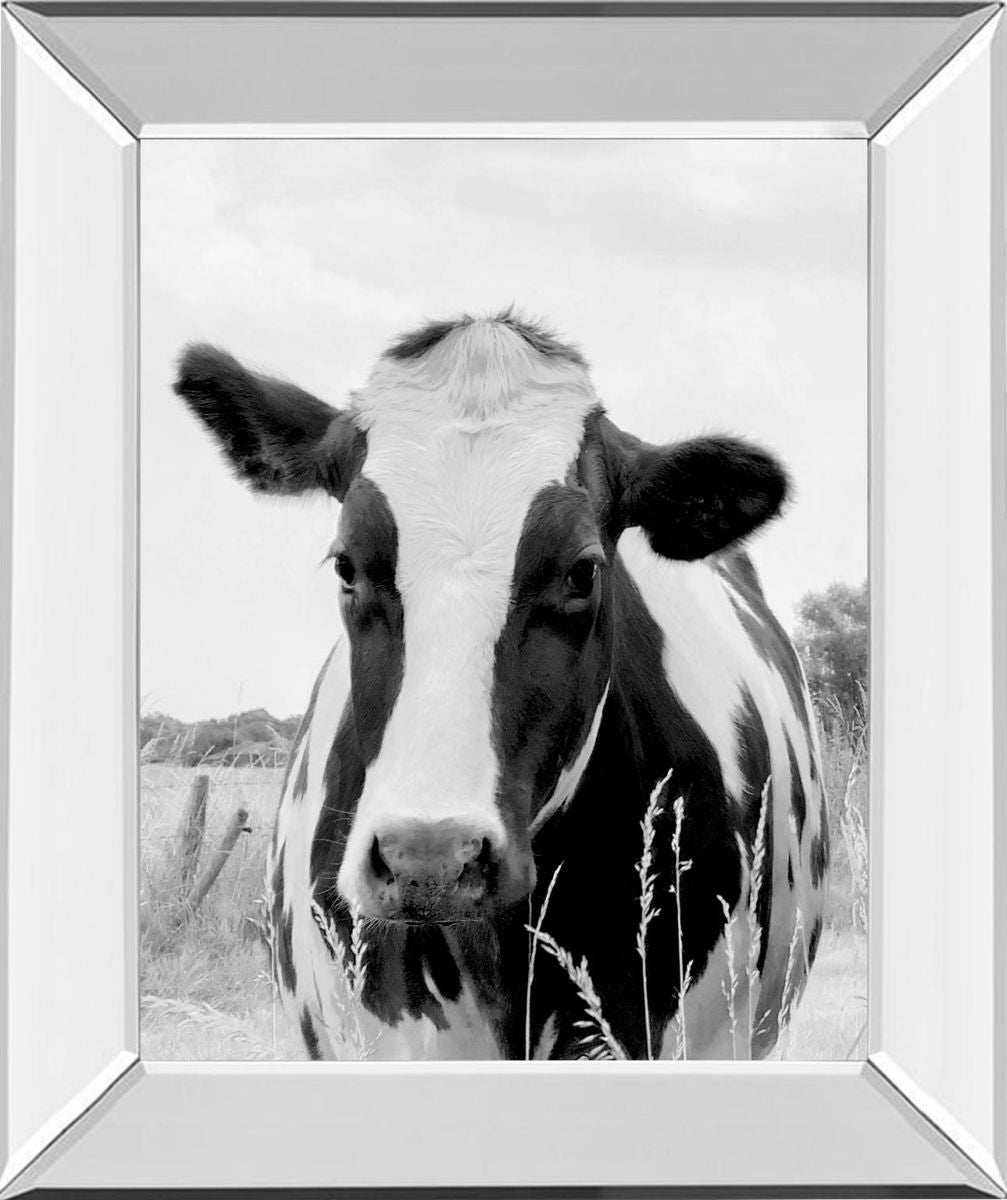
x: 345, y: 570
x: 580, y: 579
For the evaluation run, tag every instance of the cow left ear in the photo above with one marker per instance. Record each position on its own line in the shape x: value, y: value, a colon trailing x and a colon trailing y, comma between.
x: 694, y: 498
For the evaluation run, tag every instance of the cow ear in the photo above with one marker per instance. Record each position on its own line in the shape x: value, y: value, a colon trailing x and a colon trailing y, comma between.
x: 696, y: 497
x: 278, y: 438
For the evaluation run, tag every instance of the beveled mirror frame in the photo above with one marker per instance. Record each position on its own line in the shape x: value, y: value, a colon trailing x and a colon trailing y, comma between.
x: 86, y: 83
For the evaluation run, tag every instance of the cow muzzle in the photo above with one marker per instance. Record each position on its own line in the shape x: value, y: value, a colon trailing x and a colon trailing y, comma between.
x: 437, y: 872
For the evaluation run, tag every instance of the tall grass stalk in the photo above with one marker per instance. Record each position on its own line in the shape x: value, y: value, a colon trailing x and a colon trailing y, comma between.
x: 854, y: 835
x: 649, y: 909
x: 754, y: 928
x: 848, y: 739
x: 730, y: 987
x: 790, y: 986
x: 265, y: 902
x: 681, y: 1049
x: 599, y: 1041
x: 352, y: 964
x: 535, y: 938
x: 681, y: 866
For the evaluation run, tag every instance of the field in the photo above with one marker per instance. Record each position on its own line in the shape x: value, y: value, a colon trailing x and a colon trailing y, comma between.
x: 205, y: 990
x: 204, y: 978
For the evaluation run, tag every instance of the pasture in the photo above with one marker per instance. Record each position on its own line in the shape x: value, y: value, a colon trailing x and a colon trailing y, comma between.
x: 206, y: 991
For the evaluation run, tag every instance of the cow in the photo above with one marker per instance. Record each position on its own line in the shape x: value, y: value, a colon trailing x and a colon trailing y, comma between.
x: 558, y: 700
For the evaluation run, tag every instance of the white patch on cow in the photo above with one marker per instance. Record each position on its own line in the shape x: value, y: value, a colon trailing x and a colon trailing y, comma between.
x: 298, y: 816
x: 707, y: 1012
x: 710, y: 661
x: 297, y: 821
x: 459, y: 441
x: 570, y: 776
x: 546, y: 1039
x: 352, y: 1034
x: 706, y: 651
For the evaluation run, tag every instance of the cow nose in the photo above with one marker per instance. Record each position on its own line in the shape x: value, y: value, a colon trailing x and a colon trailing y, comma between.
x: 433, y: 871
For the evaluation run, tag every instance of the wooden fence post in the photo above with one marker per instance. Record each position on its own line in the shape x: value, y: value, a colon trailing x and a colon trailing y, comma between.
x: 191, y: 832
x: 215, y: 865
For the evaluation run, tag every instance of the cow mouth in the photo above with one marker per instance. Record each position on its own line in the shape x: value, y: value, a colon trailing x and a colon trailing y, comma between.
x: 437, y: 922
x: 431, y: 903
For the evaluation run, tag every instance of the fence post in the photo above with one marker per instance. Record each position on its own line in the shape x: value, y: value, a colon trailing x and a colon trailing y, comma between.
x: 215, y: 865
x: 191, y: 831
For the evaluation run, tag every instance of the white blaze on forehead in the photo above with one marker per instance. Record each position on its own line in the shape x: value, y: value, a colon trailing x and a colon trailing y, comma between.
x: 459, y: 441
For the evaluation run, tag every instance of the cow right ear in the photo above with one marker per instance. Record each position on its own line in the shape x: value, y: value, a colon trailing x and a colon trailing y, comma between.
x: 277, y: 438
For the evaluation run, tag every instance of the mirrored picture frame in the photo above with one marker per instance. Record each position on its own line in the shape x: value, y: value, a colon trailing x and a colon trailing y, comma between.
x: 86, y: 84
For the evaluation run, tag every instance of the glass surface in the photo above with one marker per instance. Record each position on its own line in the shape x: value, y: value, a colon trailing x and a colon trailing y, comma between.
x: 516, y: 671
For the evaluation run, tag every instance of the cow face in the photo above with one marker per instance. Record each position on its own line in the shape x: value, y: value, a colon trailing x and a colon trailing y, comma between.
x: 483, y: 493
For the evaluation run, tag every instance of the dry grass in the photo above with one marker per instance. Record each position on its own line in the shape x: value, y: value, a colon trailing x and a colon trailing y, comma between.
x: 211, y: 962
x: 829, y: 1022
x: 650, y: 910
x: 206, y: 983
x: 846, y: 773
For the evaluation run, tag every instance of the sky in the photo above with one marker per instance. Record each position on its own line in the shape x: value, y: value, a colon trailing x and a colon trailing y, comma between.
x: 714, y: 286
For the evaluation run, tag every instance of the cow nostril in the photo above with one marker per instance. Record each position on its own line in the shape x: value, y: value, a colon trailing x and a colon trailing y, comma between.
x: 487, y: 860
x: 480, y: 870
x: 381, y: 870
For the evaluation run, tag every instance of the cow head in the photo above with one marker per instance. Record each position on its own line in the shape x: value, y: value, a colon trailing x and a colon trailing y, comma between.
x: 483, y: 492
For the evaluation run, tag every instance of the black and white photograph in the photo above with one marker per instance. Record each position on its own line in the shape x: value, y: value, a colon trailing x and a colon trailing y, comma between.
x: 504, y: 638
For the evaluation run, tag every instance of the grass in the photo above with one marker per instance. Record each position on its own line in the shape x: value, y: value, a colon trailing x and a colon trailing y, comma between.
x: 206, y: 989
x: 650, y: 910
x: 204, y: 977
x: 829, y: 1021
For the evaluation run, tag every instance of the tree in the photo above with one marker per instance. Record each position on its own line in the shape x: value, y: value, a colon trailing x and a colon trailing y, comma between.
x: 165, y: 737
x: 833, y: 639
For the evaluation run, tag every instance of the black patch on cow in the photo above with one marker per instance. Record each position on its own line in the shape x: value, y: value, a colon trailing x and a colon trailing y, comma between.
x: 425, y: 947
x: 552, y: 657
x: 790, y: 872
x: 601, y: 467
x: 372, y: 612
x: 818, y: 862
x: 276, y: 884
x: 736, y: 566
x: 301, y: 782
x: 281, y: 926
x: 421, y: 341
x: 798, y: 805
x: 283, y: 932
x: 756, y: 769
x: 816, y: 933
x: 373, y: 617
x: 818, y: 858
x: 399, y: 959
x: 418, y: 342
x: 309, y: 1035
x: 343, y: 782
x: 594, y: 910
